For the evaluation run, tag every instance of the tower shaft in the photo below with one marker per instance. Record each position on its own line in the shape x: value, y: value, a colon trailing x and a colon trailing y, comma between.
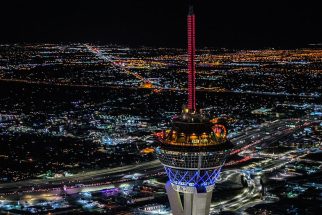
x: 191, y: 61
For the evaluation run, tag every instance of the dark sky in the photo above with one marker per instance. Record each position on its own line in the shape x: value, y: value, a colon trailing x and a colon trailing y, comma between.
x: 163, y: 23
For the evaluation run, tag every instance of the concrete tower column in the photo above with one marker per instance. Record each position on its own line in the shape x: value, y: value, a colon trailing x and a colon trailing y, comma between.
x: 187, y: 206
x: 201, y: 203
x: 174, y: 199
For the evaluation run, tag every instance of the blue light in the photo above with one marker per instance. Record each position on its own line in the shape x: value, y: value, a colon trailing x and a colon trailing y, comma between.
x: 193, y: 178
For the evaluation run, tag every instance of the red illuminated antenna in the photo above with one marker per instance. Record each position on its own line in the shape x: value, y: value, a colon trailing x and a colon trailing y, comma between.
x: 191, y: 61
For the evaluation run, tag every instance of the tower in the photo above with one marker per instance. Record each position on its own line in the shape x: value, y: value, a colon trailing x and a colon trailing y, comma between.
x: 194, y: 150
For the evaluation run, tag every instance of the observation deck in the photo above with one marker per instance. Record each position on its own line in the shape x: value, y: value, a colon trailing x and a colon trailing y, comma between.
x: 193, y: 152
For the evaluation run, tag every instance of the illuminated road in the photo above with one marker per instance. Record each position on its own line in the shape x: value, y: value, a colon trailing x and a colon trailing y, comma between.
x: 109, y: 59
x: 80, y: 178
x: 267, y: 134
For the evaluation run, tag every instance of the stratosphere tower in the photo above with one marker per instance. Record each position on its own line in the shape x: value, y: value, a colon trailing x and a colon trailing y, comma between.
x: 194, y: 150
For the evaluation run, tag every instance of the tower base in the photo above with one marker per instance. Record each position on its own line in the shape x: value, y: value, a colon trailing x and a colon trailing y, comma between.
x: 193, y: 203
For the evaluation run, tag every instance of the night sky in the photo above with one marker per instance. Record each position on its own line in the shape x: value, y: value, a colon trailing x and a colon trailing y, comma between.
x: 156, y: 23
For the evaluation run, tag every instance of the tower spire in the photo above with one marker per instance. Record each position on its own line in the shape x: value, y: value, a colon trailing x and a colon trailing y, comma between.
x: 191, y: 12
x: 191, y: 60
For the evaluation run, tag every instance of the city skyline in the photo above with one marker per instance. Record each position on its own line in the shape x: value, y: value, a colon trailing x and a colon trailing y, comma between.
x: 134, y: 107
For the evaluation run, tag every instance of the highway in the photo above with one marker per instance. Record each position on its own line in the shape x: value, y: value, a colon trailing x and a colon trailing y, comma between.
x: 79, y: 178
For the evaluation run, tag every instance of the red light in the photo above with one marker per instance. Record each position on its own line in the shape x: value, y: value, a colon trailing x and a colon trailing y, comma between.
x: 191, y: 63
